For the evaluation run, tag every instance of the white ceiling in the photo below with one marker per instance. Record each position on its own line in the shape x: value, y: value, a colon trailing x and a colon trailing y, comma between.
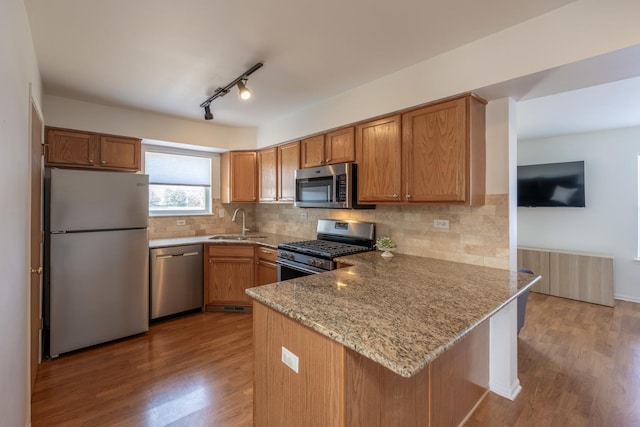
x: 169, y: 56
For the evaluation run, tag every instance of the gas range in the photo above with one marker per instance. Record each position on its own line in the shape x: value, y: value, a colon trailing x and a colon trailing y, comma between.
x: 335, y: 239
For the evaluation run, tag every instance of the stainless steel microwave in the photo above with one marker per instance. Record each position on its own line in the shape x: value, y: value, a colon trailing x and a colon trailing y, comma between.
x: 332, y: 187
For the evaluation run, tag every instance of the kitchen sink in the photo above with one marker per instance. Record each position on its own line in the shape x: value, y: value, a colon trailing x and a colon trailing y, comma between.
x: 236, y: 237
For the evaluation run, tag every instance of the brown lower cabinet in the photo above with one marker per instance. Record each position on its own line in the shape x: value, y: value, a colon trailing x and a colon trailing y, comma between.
x: 228, y: 271
x: 335, y: 386
x: 266, y: 267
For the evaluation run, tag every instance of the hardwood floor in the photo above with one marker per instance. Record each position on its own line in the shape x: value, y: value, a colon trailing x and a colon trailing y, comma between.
x: 579, y: 365
x: 191, y: 371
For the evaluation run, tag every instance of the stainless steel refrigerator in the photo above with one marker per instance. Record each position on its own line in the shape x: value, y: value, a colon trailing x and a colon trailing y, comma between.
x: 96, y: 283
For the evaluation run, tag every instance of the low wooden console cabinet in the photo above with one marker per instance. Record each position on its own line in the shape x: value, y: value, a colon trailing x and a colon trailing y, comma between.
x: 579, y: 276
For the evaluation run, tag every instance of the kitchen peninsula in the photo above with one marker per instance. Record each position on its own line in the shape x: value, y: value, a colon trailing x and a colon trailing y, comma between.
x: 400, y: 341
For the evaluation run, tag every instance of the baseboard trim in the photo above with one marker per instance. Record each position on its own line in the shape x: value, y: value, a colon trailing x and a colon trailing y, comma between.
x: 505, y: 391
x: 627, y: 298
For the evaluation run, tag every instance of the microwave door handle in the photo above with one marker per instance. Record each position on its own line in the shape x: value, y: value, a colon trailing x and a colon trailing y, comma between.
x: 334, y: 197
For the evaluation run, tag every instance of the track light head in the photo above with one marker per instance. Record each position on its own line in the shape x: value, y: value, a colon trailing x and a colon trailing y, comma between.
x: 207, y: 113
x: 240, y: 81
x: 242, y: 87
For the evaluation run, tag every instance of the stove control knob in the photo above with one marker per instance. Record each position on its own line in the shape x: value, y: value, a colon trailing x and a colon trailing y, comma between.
x: 311, y: 261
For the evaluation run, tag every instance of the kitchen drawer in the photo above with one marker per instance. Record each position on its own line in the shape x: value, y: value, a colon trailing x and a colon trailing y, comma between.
x: 267, y: 254
x: 228, y: 251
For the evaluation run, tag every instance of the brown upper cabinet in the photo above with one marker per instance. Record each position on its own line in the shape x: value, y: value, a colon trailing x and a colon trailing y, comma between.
x: 288, y: 162
x: 444, y: 152
x: 238, y: 176
x: 268, y: 174
x: 439, y: 158
x: 313, y: 151
x: 328, y: 149
x: 89, y: 150
x: 276, y: 172
x: 378, y: 153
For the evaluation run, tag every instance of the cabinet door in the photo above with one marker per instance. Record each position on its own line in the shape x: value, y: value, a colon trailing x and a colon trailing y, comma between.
x: 313, y: 151
x: 268, y: 174
x: 68, y: 148
x: 266, y: 272
x: 227, y: 280
x: 378, y: 154
x: 120, y: 153
x: 288, y: 162
x: 243, y: 176
x: 581, y: 277
x: 341, y: 146
x: 538, y: 262
x: 435, y: 152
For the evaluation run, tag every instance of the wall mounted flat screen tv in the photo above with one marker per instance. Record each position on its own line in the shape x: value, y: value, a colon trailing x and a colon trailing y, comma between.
x: 551, y: 184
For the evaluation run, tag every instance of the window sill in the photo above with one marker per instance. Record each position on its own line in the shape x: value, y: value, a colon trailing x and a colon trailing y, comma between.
x: 169, y: 215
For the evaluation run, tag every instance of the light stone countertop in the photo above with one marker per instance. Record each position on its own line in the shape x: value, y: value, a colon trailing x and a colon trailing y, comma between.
x: 270, y: 240
x: 401, y: 312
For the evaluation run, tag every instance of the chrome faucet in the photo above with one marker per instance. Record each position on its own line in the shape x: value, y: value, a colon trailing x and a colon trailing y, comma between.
x: 244, y: 219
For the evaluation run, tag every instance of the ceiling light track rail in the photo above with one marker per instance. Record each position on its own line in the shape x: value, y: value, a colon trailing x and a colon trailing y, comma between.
x: 240, y: 81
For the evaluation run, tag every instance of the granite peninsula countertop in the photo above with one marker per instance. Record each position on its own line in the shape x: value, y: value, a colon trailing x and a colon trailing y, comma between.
x: 401, y: 312
x: 263, y: 239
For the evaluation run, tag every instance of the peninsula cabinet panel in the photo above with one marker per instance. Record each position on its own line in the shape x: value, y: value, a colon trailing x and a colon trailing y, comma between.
x: 538, y: 262
x: 459, y: 379
x: 340, y: 146
x: 336, y: 386
x: 268, y: 174
x: 313, y: 151
x: 238, y: 176
x: 311, y: 397
x: 581, y: 277
x: 288, y: 163
x: 379, y: 158
x: 444, y: 152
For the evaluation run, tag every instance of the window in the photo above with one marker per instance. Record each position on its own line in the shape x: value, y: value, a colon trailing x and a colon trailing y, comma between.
x: 179, y: 181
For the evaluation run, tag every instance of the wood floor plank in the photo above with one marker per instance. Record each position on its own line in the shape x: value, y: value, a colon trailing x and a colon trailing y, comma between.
x: 579, y: 365
x: 194, y: 370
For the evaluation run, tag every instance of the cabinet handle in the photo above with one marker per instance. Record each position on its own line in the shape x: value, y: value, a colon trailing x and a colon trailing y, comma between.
x: 90, y: 161
x: 408, y: 197
x: 328, y: 160
x: 395, y: 195
x: 103, y: 162
x: 320, y: 162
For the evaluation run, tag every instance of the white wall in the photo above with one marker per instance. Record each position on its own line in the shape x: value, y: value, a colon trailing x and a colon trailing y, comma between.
x: 609, y: 223
x: 580, y: 30
x: 88, y: 116
x: 18, y: 69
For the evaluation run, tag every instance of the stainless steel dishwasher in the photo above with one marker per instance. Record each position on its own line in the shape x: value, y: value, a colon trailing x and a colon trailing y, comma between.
x: 176, y: 280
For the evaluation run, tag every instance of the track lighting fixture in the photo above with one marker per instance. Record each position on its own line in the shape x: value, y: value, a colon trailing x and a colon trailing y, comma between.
x: 207, y: 113
x: 242, y: 87
x: 240, y: 81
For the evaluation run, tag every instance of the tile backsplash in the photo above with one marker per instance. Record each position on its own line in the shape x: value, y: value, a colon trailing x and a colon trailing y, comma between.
x: 476, y: 235
x: 165, y: 227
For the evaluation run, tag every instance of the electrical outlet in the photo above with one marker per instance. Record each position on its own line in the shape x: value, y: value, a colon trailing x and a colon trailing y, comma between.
x: 181, y: 222
x: 221, y: 213
x: 290, y: 359
x: 441, y: 223
x: 303, y: 215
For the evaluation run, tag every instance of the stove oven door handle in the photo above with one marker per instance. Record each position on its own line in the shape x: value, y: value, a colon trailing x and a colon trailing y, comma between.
x: 295, y: 267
